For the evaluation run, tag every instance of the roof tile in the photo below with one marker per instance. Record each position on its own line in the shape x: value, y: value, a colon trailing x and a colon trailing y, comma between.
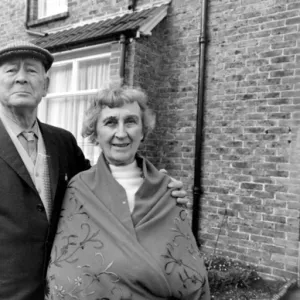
x: 129, y: 23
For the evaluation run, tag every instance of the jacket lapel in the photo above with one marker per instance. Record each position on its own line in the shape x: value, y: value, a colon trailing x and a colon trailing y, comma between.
x: 53, y: 156
x: 9, y: 153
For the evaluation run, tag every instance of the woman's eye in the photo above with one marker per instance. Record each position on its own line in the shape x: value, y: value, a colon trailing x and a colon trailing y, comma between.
x: 110, y: 123
x: 131, y: 121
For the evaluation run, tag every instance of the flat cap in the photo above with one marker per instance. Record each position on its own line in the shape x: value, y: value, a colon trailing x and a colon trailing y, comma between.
x: 24, y: 48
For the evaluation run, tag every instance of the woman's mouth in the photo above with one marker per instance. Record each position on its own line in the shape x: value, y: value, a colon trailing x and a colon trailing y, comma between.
x: 121, y: 145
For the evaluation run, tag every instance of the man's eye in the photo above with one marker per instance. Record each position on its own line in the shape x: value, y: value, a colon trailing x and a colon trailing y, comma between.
x: 10, y: 70
x: 32, y: 70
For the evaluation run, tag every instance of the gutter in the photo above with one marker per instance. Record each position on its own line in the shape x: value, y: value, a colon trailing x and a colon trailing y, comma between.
x: 132, y: 5
x: 27, y: 12
x: 197, y: 190
x: 122, y: 57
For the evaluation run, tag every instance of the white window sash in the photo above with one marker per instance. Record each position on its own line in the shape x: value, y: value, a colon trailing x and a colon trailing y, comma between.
x: 70, y: 94
x: 65, y: 61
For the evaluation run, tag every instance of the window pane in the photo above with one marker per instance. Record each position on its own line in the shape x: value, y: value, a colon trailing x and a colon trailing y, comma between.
x: 93, y: 73
x: 68, y: 112
x: 74, y: 76
x: 60, y: 78
x: 48, y: 8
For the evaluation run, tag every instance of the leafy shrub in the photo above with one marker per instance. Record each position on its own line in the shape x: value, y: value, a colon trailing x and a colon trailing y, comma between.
x: 225, y: 273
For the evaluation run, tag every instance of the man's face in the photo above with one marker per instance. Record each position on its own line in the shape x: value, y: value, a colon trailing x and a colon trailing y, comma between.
x: 23, y: 83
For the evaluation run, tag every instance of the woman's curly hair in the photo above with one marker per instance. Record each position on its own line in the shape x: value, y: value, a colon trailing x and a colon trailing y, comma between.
x: 116, y: 96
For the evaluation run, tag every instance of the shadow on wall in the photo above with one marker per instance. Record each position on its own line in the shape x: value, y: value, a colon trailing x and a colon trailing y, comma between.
x: 292, y: 295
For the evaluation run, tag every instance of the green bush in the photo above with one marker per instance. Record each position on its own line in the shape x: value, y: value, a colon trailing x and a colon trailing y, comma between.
x: 225, y: 273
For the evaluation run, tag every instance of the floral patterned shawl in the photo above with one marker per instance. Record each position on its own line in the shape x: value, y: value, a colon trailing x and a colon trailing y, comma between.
x: 101, y: 251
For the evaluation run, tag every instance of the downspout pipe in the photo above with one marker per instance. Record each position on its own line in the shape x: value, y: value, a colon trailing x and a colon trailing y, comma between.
x: 122, y: 57
x: 27, y: 15
x: 27, y: 12
x: 197, y: 190
x: 132, y: 5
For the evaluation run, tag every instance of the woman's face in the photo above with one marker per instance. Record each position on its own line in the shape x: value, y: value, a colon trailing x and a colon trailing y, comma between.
x: 119, y: 133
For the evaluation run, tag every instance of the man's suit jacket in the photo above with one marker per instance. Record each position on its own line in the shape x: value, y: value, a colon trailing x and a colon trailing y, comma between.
x: 26, y: 236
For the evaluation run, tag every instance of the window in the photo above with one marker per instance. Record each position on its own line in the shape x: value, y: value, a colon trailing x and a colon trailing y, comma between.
x: 74, y: 78
x: 48, y: 8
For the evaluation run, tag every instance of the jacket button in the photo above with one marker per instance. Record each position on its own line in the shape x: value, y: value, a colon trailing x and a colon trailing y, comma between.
x: 40, y: 207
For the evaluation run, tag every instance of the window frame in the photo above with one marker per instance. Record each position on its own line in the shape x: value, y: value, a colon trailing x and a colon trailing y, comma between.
x: 74, y: 85
x: 42, y: 13
x: 100, y: 51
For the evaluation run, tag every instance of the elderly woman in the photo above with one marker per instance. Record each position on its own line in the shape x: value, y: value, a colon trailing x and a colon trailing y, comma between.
x: 119, y: 236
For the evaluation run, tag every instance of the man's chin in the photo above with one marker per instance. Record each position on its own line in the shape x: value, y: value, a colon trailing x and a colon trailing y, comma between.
x: 23, y: 103
x: 21, y: 108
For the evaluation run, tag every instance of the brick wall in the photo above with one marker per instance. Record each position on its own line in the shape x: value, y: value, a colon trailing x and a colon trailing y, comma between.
x: 172, y: 55
x: 250, y: 206
x: 251, y: 173
x: 144, y: 63
x: 115, y: 61
x: 12, y: 16
x: 251, y: 164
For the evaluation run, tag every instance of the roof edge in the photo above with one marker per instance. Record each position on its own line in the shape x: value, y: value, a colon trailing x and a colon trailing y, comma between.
x: 107, y: 17
x: 146, y: 29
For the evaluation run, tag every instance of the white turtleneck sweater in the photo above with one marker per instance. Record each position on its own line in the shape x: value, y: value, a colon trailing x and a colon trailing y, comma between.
x: 130, y: 178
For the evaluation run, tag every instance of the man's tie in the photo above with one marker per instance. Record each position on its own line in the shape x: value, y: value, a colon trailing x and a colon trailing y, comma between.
x: 31, y: 141
x: 31, y: 144
x: 47, y: 188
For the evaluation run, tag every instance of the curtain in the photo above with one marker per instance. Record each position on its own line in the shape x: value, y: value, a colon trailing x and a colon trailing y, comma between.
x: 68, y: 111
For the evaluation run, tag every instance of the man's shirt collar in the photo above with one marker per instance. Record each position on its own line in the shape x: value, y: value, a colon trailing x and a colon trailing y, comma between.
x: 16, y: 128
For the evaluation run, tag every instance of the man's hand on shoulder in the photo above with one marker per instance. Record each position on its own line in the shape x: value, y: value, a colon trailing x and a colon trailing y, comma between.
x: 179, y: 193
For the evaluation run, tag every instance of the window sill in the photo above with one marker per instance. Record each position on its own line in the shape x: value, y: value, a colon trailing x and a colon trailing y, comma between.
x: 61, y: 16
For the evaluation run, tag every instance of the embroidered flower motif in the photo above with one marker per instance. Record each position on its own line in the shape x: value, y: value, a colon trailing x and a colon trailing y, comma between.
x: 188, y: 273
x: 60, y: 292
x: 64, y: 250
x: 75, y: 209
x: 78, y: 281
x: 194, y: 279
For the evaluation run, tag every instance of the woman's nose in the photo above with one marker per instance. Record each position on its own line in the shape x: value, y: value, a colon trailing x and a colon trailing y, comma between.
x: 121, y: 131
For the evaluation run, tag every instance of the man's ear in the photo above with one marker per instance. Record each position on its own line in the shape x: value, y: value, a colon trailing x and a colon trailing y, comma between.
x: 46, y: 85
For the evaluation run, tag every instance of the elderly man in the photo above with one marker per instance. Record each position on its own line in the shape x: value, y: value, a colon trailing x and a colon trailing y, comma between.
x: 36, y: 162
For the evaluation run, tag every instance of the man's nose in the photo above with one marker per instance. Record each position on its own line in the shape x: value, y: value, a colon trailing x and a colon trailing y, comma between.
x: 21, y: 76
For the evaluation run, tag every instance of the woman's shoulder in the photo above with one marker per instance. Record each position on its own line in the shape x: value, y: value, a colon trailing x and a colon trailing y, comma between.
x: 149, y: 169
x: 84, y: 176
